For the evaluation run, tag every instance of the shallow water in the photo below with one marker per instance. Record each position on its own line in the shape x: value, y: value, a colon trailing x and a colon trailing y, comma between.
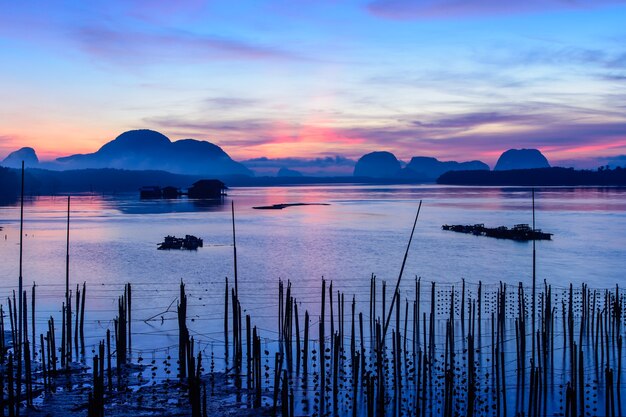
x: 364, y: 230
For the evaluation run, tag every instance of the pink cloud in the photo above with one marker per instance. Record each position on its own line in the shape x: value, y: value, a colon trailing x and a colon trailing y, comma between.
x: 448, y: 137
x: 8, y: 144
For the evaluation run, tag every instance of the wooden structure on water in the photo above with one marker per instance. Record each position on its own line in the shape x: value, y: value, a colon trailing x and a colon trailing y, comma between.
x: 149, y: 192
x: 170, y: 192
x: 202, y: 189
x: 153, y: 192
x: 207, y: 189
x: 189, y: 242
x: 521, y: 232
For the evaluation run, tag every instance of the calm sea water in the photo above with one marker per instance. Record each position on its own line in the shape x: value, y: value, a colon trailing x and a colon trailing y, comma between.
x: 363, y: 230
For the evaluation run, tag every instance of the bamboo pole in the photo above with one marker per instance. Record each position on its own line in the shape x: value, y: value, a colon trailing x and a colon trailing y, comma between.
x: 19, y: 322
x: 232, y: 206
x: 406, y: 254
x: 68, y: 310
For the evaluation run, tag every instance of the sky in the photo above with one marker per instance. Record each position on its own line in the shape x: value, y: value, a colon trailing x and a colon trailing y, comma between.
x: 453, y: 79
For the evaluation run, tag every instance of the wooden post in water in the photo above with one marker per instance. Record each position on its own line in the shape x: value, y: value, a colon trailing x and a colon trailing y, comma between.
x: 77, y: 322
x: 248, y: 353
x: 2, y: 396
x: 12, y: 321
x: 534, y: 312
x: 129, y: 304
x: 109, y: 369
x: 32, y: 315
x: 68, y: 309
x: 322, y: 353
x: 44, y: 371
x: 183, y: 333
x: 232, y: 207
x: 226, y: 320
x: 27, y: 362
x: 19, y: 322
x: 2, y: 345
x: 397, y: 290
x: 298, y: 352
x: 305, y: 350
x: 52, y: 346
x: 13, y: 408
x: 63, y: 331
x: 82, y: 322
x: 332, y: 316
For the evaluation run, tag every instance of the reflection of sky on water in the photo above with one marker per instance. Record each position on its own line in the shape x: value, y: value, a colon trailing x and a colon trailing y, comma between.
x: 179, y: 205
x: 364, y: 230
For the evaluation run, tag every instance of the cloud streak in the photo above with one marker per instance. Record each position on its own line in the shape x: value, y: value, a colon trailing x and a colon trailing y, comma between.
x: 558, y: 141
x: 444, y: 9
x: 323, y: 166
x: 469, y: 120
x: 129, y: 46
x: 481, y: 135
x: 229, y: 103
x: 8, y: 144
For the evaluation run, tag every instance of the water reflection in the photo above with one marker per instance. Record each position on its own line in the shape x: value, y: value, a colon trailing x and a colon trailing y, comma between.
x: 165, y: 206
x: 487, y: 198
x: 362, y: 231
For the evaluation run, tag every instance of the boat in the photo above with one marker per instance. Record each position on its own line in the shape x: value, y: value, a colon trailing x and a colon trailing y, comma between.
x: 189, y: 242
x: 520, y: 232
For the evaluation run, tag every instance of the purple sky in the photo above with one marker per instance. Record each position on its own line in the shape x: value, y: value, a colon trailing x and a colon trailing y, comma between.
x: 454, y: 79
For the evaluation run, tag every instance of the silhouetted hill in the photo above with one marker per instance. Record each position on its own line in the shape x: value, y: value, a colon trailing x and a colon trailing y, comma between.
x: 377, y: 165
x: 14, y: 159
x: 111, y: 181
x: 431, y: 168
x: 9, y: 184
x: 521, y: 159
x: 150, y: 150
x: 286, y: 172
x: 536, y: 177
x: 105, y: 180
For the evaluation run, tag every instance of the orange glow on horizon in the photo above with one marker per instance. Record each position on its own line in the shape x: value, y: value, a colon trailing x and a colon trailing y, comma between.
x: 318, y: 137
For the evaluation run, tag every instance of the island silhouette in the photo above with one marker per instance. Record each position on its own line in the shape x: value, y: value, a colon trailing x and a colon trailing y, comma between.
x: 138, y: 158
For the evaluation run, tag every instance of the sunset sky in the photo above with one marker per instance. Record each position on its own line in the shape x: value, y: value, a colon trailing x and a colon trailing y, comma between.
x: 454, y: 79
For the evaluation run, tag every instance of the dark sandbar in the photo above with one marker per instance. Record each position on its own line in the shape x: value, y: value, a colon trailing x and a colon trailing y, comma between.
x: 284, y: 205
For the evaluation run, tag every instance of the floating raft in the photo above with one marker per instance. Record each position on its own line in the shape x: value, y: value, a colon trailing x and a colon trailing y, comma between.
x: 521, y: 232
x: 189, y: 242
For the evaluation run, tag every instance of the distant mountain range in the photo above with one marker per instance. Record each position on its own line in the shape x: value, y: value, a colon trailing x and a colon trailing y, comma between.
x: 286, y: 172
x: 554, y: 176
x: 145, y: 157
x: 431, y: 168
x: 148, y: 150
x: 143, y: 150
x: 420, y: 168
